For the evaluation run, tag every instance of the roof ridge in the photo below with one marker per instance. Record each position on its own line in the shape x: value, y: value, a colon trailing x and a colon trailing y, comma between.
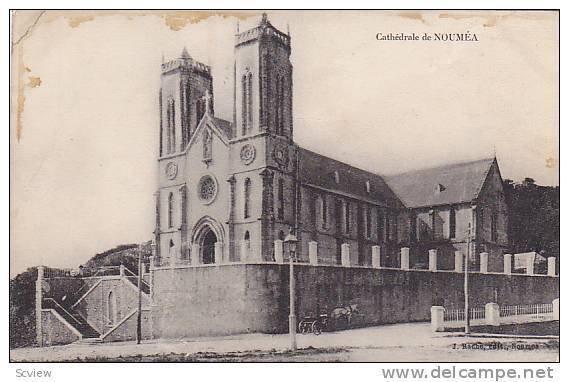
x: 439, y: 167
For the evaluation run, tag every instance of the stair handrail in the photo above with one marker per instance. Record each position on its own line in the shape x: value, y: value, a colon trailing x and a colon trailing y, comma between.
x: 65, y: 310
x: 135, y: 275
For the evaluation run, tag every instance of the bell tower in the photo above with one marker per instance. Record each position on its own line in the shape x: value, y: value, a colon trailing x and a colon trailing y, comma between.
x: 263, y: 82
x: 184, y: 83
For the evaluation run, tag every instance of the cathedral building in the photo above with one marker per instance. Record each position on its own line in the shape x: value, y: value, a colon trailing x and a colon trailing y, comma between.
x: 228, y: 191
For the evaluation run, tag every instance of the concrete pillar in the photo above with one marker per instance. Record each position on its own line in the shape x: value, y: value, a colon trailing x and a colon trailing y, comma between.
x: 551, y: 266
x: 507, y: 264
x: 313, y: 253
x: 279, y: 259
x: 195, y: 255
x: 404, y: 258
x: 121, y: 270
x: 376, y: 256
x: 39, y: 299
x: 492, y: 314
x: 437, y: 318
x: 433, y: 260
x: 244, y: 250
x: 218, y: 253
x: 556, y: 309
x: 484, y: 262
x: 346, y: 255
x: 458, y: 261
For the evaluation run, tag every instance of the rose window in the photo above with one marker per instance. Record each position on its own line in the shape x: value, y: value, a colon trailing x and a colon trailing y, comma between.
x: 207, y: 189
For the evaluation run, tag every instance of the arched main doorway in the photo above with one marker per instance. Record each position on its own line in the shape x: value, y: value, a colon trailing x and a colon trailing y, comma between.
x: 208, y: 247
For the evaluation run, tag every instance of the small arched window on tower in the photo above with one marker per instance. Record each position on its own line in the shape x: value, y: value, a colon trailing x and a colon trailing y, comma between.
x: 249, y: 102
x: 247, y: 198
x: 200, y: 109
x: 244, y: 104
x: 280, y: 105
x: 280, y: 197
x: 170, y: 210
x: 171, y: 127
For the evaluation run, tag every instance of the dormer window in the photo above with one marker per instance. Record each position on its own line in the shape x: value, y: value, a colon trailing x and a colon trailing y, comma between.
x: 440, y: 188
x: 368, y: 186
x: 337, y: 177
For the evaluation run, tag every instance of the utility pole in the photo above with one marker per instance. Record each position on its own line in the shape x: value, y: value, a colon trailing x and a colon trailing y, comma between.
x: 467, y: 260
x: 139, y: 317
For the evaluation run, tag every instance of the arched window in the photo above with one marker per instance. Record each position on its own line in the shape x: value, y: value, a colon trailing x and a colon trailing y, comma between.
x: 279, y: 106
x: 368, y: 186
x: 323, y: 211
x: 347, y: 217
x: 171, y: 126
x: 280, y: 196
x: 244, y: 104
x: 170, y: 210
x: 336, y: 177
x: 368, y: 221
x: 112, y: 308
x: 247, y: 198
x: 250, y: 102
x: 452, y: 223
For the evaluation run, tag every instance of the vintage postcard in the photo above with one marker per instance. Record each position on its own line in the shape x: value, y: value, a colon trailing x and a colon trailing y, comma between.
x: 285, y: 186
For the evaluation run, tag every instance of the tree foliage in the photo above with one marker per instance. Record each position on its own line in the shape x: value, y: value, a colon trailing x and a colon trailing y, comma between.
x: 533, y: 217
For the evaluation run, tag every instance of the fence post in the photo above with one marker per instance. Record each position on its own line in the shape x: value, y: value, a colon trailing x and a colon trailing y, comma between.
x: 39, y: 299
x: 484, y: 262
x: 551, y: 266
x: 346, y: 255
x: 556, y: 309
x: 376, y: 256
x: 313, y: 252
x: 279, y: 259
x: 432, y: 260
x: 404, y: 258
x: 492, y: 314
x: 507, y: 264
x: 458, y: 261
x: 437, y: 318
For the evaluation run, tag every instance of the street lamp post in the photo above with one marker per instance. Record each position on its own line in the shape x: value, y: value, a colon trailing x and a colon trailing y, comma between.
x: 290, y: 243
x: 466, y: 307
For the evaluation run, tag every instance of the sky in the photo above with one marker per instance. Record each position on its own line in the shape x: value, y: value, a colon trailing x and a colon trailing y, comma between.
x: 83, y: 169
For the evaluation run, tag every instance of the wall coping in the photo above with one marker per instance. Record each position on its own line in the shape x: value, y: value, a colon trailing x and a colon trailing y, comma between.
x: 306, y: 264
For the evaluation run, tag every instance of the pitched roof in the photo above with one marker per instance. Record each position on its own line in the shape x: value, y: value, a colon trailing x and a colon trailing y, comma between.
x: 318, y: 171
x: 449, y: 184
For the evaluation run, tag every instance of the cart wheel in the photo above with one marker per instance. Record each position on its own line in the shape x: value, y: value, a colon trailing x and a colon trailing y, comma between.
x: 302, y: 327
x: 316, y: 329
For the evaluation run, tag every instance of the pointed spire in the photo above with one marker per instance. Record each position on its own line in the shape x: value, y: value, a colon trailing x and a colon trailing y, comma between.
x: 185, y: 55
x: 237, y: 27
x: 264, y: 20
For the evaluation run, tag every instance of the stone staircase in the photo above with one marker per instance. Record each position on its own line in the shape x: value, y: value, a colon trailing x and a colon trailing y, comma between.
x: 73, y: 318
